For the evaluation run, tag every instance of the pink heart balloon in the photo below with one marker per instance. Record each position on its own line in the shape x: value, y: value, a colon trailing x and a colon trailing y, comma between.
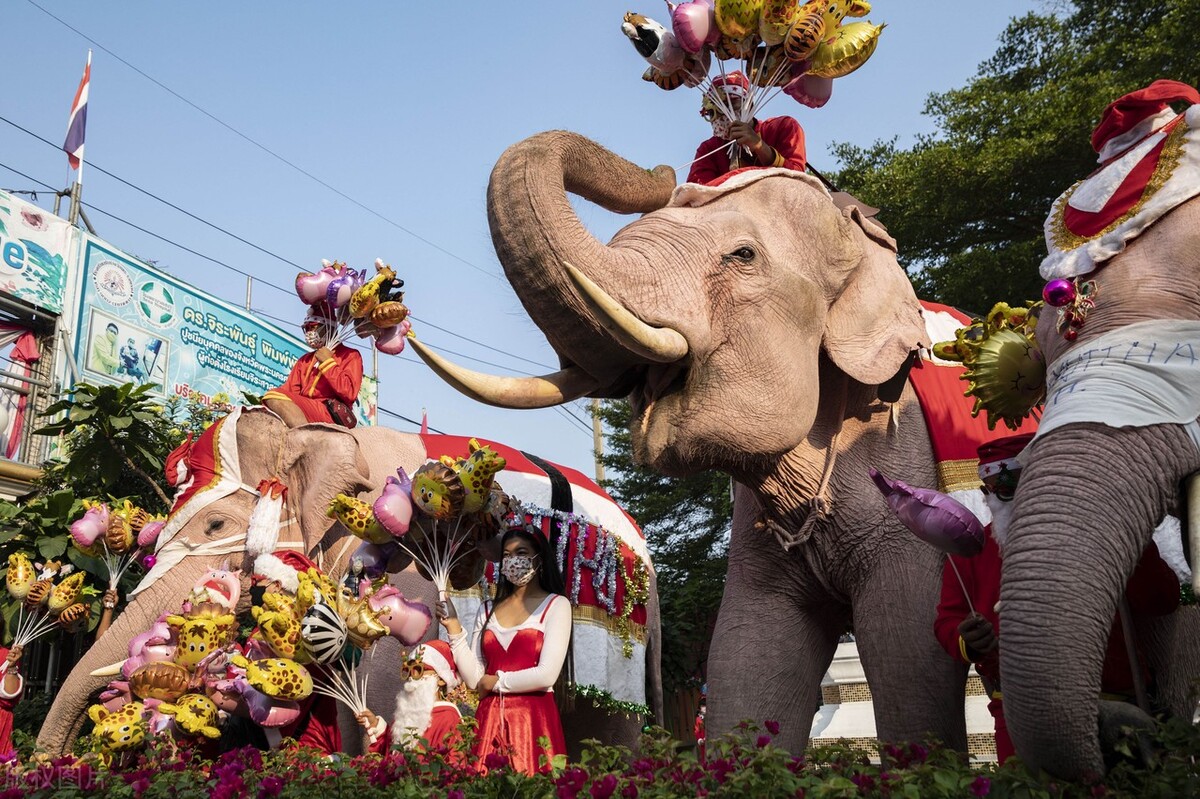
x: 810, y: 90
x: 406, y: 621
x: 932, y: 516
x: 391, y: 340
x: 694, y: 25
x: 311, y: 287
x: 149, y: 534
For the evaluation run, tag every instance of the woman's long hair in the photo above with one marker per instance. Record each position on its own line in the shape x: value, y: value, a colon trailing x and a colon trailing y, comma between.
x: 550, y: 578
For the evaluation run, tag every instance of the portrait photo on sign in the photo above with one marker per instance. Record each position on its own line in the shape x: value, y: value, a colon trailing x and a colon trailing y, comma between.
x: 124, y: 352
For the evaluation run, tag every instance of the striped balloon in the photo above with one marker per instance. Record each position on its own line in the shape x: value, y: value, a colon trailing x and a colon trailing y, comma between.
x: 323, y: 633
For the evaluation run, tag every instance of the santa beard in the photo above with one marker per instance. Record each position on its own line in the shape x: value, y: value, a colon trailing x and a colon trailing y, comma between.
x: 414, y: 709
x: 1001, y: 517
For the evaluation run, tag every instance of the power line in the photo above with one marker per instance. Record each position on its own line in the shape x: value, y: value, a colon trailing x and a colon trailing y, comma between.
x: 236, y: 237
x: 266, y: 149
x: 410, y: 421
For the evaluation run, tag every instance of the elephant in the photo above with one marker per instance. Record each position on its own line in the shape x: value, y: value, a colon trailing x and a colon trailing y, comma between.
x: 316, y: 462
x: 761, y: 329
x: 1077, y: 531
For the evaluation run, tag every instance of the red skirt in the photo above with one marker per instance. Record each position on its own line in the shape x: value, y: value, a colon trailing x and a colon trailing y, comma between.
x: 511, y: 724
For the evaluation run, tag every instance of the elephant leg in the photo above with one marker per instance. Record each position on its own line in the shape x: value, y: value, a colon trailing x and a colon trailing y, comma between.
x: 771, y: 645
x: 1089, y: 499
x: 916, y: 688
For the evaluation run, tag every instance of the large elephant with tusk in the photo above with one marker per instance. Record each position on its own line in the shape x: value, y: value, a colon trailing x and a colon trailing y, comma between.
x: 760, y: 329
x: 207, y: 528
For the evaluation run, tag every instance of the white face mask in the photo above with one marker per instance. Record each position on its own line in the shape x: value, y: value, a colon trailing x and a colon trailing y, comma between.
x: 720, y: 126
x: 518, y: 569
x: 314, y: 336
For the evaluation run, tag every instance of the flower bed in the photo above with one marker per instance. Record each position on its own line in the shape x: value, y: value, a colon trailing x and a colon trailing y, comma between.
x: 744, y: 764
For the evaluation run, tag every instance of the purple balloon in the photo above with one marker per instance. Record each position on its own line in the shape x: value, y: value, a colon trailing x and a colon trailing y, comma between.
x: 393, y: 509
x: 932, y: 516
x: 694, y: 25
x: 373, y: 558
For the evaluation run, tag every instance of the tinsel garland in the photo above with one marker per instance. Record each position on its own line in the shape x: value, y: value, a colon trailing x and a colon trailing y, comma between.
x: 605, y: 701
x: 637, y: 592
x: 1186, y: 595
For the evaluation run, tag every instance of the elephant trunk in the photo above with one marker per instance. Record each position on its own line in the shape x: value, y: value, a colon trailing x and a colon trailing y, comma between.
x: 537, y: 233
x: 67, y: 713
x: 1089, y: 499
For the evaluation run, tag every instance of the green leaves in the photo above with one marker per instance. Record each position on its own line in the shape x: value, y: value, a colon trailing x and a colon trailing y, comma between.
x: 967, y: 204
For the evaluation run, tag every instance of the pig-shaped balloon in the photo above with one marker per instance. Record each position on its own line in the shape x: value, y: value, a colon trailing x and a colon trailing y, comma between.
x: 91, y: 526
x: 220, y: 587
x: 149, y: 533
x: 694, y: 25
x: 406, y: 621
x: 390, y: 341
x: 153, y: 646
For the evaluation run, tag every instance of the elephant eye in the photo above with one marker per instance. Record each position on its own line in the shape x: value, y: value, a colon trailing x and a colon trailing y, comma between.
x: 744, y: 254
x: 215, y: 525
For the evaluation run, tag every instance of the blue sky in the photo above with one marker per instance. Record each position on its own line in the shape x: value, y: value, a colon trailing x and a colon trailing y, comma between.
x: 404, y: 108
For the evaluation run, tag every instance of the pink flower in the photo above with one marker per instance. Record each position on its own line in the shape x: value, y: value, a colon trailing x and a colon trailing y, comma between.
x: 604, y: 787
x: 982, y: 786
x: 270, y: 787
x: 630, y: 791
x: 772, y: 727
x: 455, y: 794
x: 495, y: 761
x: 763, y: 740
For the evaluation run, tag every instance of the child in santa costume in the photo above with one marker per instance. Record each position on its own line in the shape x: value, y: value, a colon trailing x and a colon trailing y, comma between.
x: 422, y: 708
x: 973, y: 637
x: 317, y: 725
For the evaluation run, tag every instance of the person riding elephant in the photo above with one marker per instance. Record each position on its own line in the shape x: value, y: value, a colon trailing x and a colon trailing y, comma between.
x: 322, y: 385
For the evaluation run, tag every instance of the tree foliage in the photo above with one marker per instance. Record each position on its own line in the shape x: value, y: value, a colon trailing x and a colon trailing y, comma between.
x: 686, y: 522
x: 967, y: 203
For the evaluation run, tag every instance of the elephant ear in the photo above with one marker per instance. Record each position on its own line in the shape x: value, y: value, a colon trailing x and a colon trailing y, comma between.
x: 319, y: 462
x: 875, y: 322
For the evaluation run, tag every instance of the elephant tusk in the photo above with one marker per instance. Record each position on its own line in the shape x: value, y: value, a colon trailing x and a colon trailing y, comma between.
x: 654, y: 344
x: 1193, y: 527
x: 108, y: 671
x: 510, y: 392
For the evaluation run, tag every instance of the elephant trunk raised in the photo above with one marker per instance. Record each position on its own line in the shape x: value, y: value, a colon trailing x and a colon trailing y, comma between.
x: 1067, y: 557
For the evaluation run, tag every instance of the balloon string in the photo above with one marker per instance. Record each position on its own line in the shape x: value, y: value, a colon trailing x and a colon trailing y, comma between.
x: 727, y: 146
x: 961, y: 584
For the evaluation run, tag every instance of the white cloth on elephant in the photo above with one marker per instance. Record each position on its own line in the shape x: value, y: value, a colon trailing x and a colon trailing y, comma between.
x: 1168, y: 537
x: 1135, y: 376
x: 556, y: 637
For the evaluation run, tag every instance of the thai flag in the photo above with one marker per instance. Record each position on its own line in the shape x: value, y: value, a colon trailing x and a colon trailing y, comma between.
x: 73, y: 146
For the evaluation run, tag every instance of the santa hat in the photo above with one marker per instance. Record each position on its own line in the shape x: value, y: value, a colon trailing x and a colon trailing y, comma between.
x: 1135, y: 116
x: 733, y: 85
x: 319, y: 314
x: 283, y: 567
x: 1000, y: 454
x: 436, y: 656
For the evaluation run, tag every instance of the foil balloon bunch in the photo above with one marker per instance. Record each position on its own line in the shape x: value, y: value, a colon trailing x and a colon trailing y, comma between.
x: 188, y: 673
x: 46, y: 605
x: 1006, y: 371
x: 782, y: 46
x: 351, y: 304
x: 116, y: 536
x: 438, y: 517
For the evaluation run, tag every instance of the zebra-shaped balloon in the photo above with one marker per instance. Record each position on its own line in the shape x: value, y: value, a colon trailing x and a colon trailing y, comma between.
x: 323, y: 632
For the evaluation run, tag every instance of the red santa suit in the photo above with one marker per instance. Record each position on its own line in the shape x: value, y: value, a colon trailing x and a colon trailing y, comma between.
x: 783, y: 134
x: 310, y: 383
x: 438, y: 724
x: 1151, y: 590
x: 317, y: 725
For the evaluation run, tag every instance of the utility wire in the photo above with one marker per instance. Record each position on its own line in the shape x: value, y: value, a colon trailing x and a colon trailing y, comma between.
x: 266, y: 149
x: 256, y: 278
x: 410, y: 421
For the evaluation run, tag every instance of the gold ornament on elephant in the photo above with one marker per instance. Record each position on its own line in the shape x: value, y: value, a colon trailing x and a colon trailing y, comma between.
x: 1006, y: 372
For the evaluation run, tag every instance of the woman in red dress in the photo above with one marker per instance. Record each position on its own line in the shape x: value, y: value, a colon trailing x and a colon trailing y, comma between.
x: 515, y: 653
x: 12, y: 685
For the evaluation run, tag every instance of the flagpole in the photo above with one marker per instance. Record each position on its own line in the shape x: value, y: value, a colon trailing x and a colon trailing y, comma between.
x: 77, y: 188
